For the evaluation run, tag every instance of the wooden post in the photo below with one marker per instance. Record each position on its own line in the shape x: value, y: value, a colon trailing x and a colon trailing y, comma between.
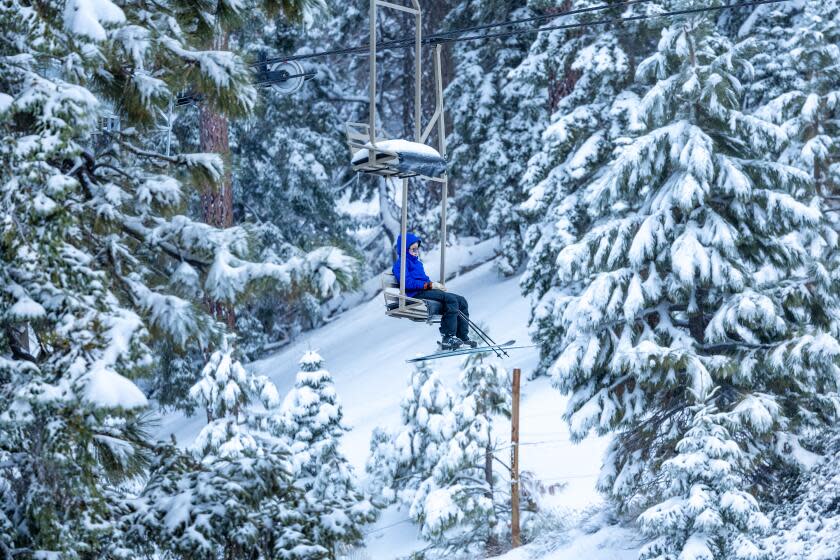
x: 514, y: 462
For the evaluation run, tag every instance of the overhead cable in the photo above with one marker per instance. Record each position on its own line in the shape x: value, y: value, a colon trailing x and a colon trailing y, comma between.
x: 443, y: 35
x: 454, y: 36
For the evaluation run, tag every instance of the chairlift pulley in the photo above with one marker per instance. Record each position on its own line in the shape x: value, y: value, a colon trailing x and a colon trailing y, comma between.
x: 284, y: 77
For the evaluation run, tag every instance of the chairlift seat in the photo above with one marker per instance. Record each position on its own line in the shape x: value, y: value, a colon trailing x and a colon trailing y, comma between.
x: 415, y: 309
x: 392, y: 158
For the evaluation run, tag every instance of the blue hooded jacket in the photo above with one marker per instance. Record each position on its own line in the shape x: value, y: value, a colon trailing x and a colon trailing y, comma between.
x: 415, y: 276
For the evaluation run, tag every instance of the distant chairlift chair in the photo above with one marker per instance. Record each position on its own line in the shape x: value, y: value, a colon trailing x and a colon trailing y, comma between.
x: 372, y: 153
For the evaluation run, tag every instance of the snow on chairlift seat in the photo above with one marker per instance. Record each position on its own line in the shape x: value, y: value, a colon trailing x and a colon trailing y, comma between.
x: 400, y: 158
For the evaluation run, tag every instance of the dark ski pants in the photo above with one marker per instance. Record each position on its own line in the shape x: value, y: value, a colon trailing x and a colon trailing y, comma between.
x: 451, y: 324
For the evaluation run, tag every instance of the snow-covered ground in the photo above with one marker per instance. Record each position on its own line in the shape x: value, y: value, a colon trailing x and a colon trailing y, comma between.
x: 366, y: 352
x: 608, y: 543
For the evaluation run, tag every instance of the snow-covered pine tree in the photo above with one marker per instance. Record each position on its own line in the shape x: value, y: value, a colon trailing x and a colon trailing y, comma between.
x: 694, y: 273
x: 81, y: 238
x: 492, y: 129
x: 772, y: 26
x: 400, y: 458
x: 809, y: 109
x: 462, y: 509
x: 438, y: 464
x: 236, y: 497
x: 97, y: 263
x: 585, y: 74
x: 807, y: 526
x: 311, y: 419
x: 224, y: 391
x: 707, y: 511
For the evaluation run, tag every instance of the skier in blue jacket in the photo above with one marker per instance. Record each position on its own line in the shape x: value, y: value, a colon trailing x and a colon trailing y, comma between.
x: 454, y: 326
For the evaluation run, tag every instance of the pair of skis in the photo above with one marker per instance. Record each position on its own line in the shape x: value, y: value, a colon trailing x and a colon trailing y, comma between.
x: 489, y: 345
x: 497, y: 348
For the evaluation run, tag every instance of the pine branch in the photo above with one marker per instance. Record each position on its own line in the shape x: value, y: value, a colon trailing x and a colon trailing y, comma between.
x: 640, y: 316
x: 480, y: 482
x: 148, y: 153
x: 141, y: 234
x: 735, y: 345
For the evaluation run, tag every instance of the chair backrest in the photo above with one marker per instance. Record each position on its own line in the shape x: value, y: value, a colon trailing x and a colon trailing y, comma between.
x: 388, y: 280
x: 412, y: 308
x: 358, y: 136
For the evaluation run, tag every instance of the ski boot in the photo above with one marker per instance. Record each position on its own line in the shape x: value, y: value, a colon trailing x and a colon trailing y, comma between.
x: 449, y: 343
x: 469, y: 343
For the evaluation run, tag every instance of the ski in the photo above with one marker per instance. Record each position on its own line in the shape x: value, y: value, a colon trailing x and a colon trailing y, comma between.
x: 464, y: 351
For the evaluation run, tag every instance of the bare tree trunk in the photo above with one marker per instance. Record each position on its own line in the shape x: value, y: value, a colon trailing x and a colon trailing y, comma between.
x: 390, y: 223
x: 217, y: 200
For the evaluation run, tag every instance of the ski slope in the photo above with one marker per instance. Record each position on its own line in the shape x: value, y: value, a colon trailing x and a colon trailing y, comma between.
x: 366, y: 351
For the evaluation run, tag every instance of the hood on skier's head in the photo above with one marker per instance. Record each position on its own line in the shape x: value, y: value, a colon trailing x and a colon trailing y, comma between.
x: 416, y: 279
x: 410, y: 239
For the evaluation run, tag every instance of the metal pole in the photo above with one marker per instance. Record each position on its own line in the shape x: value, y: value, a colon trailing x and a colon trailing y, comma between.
x: 439, y: 94
x: 418, y: 129
x: 514, y: 462
x: 403, y: 248
x: 372, y: 89
x: 442, y: 145
x: 418, y: 71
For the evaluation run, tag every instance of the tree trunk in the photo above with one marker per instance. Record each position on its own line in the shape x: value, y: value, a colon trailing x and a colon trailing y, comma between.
x: 217, y: 200
x: 390, y: 223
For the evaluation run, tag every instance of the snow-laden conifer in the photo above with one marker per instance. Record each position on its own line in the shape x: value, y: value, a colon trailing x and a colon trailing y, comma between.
x: 706, y: 510
x: 439, y: 463
x: 493, y: 133
x: 224, y: 391
x: 586, y: 74
x: 462, y: 507
x: 809, y: 108
x: 691, y: 273
x: 807, y: 522
x: 311, y: 418
x: 772, y: 27
x: 97, y: 260
x: 235, y: 495
x: 401, y: 457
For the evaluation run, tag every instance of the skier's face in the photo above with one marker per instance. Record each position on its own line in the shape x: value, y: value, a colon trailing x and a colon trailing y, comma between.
x: 414, y: 249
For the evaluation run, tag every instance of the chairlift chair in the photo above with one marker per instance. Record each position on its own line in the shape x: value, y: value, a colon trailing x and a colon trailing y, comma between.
x: 415, y: 309
x: 374, y: 154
